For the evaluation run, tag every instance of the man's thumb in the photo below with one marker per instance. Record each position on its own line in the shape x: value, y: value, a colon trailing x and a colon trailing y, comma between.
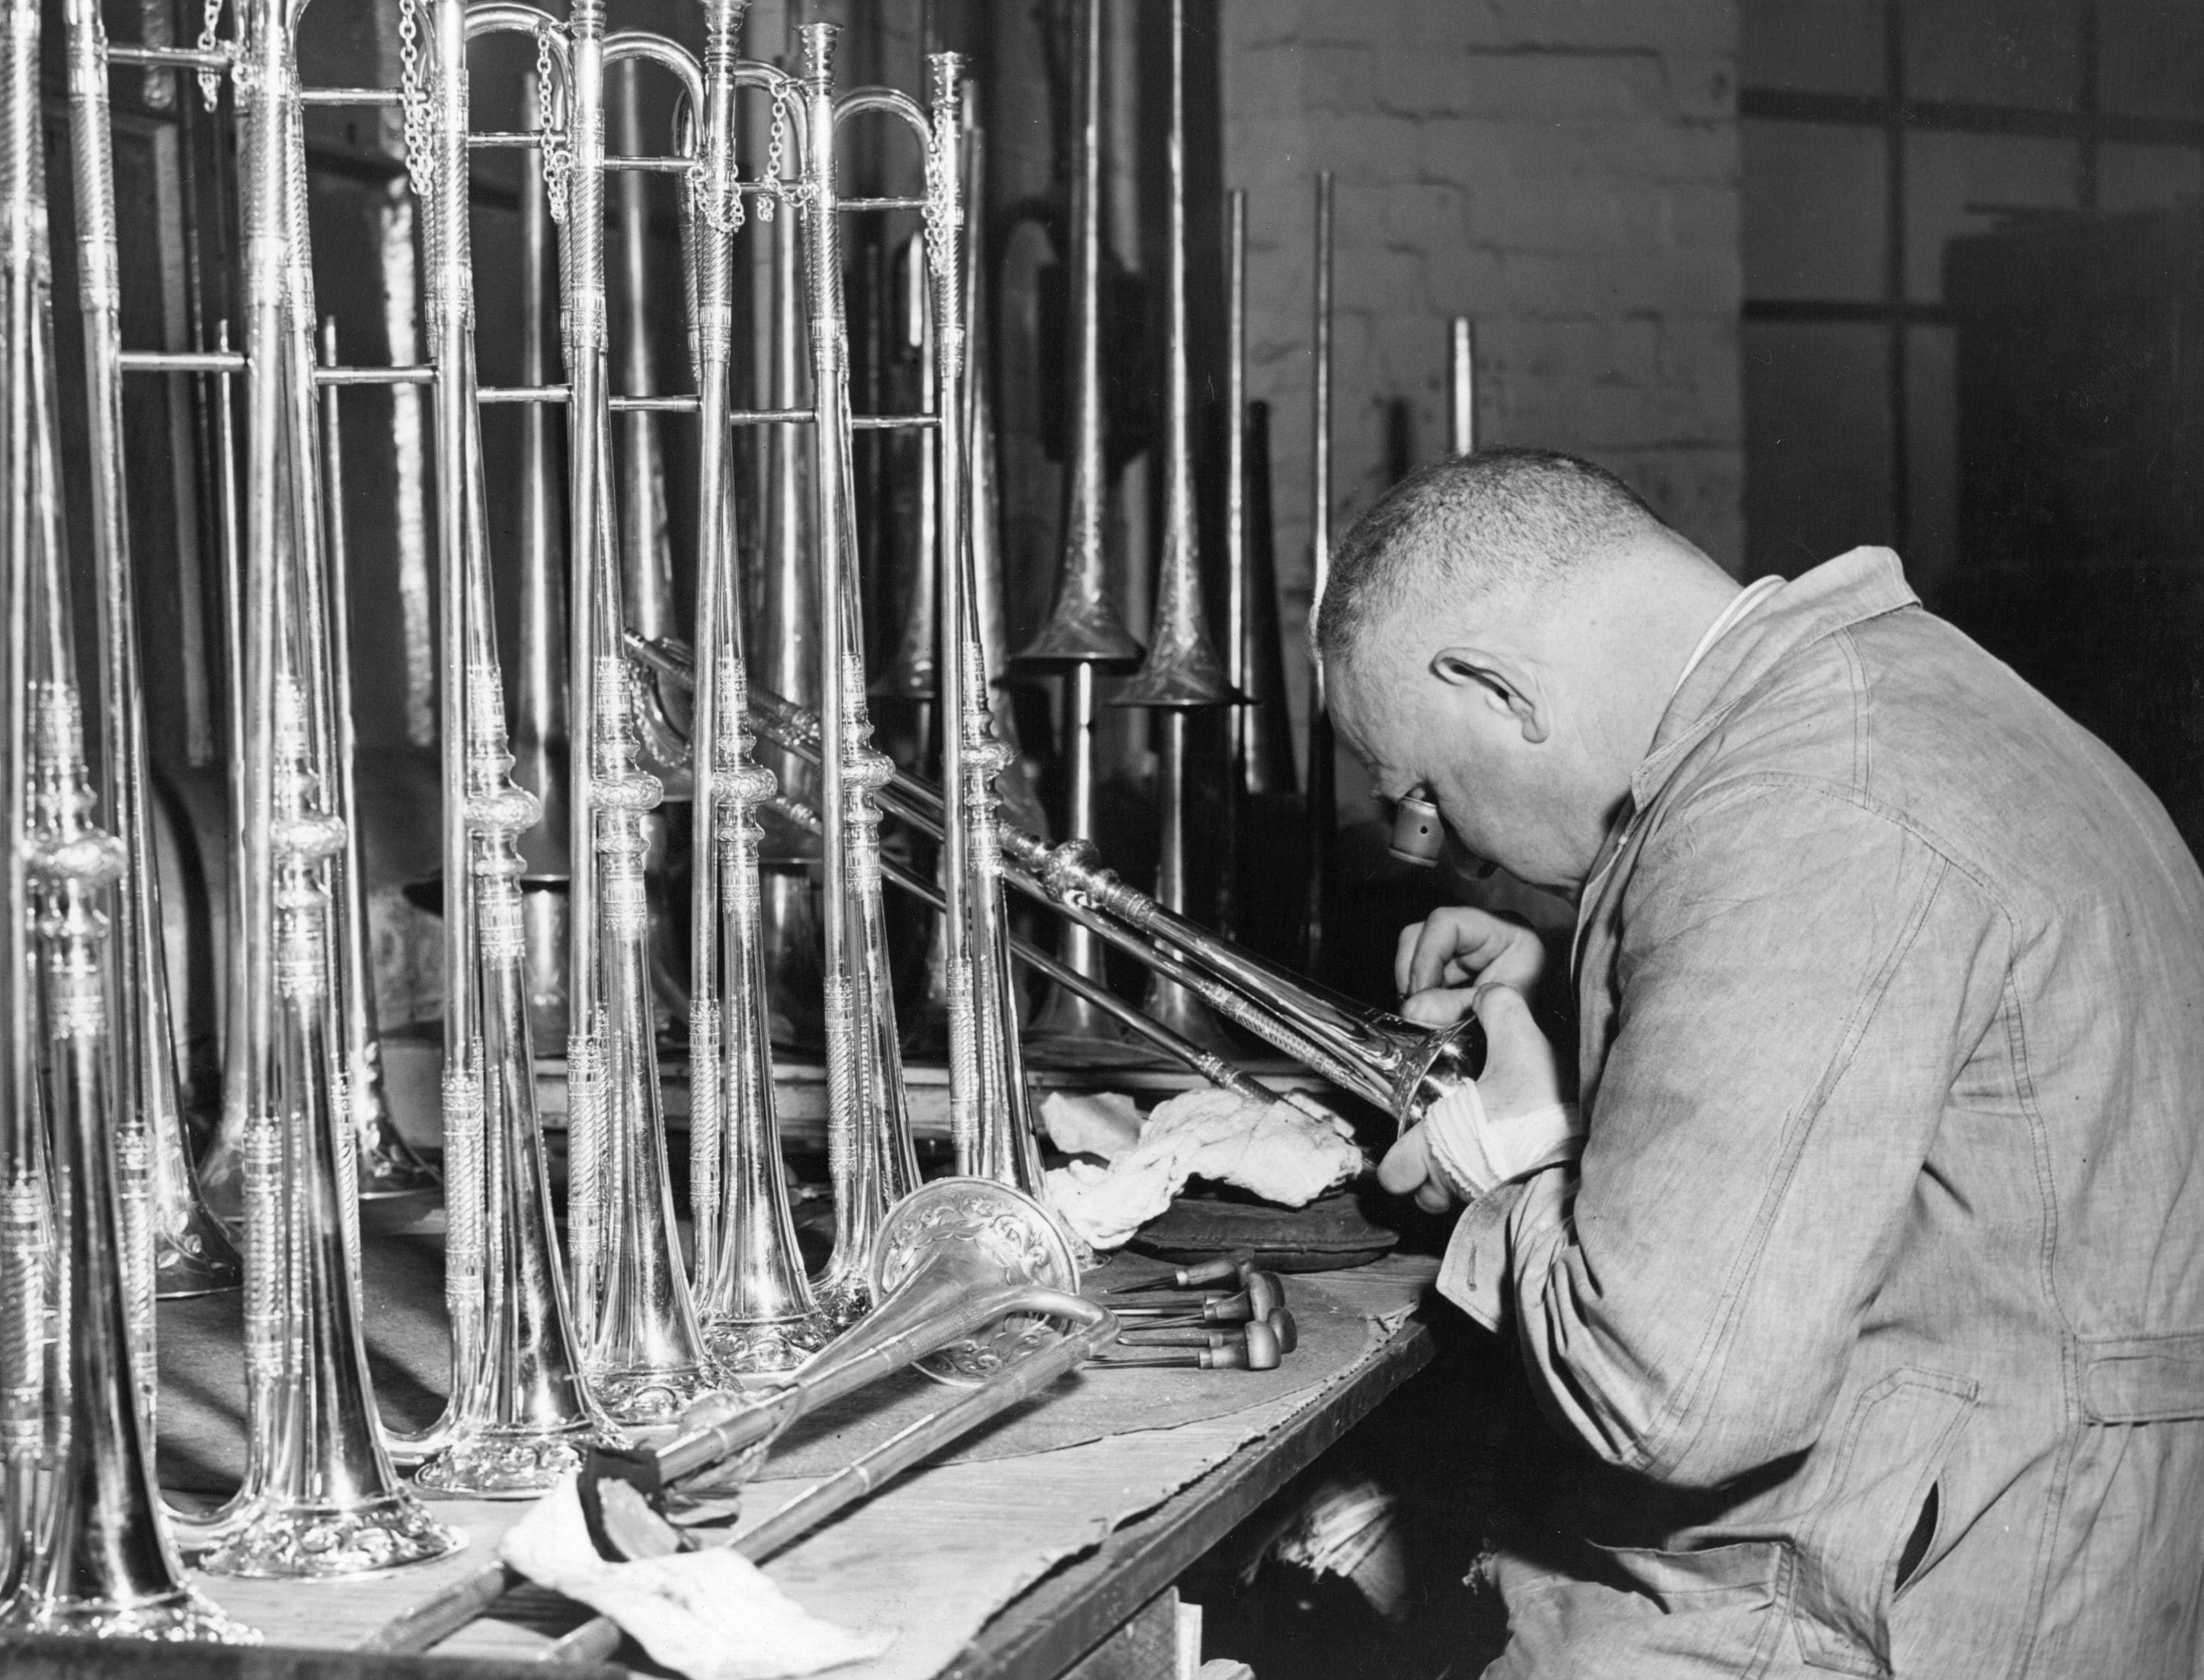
x: 1503, y: 1012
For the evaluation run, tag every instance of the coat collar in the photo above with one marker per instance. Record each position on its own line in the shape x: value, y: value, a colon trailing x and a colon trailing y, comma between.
x: 1864, y: 583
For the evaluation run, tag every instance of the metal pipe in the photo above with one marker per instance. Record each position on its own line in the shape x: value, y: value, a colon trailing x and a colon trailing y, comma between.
x: 1462, y: 387
x: 388, y: 1170
x: 540, y: 742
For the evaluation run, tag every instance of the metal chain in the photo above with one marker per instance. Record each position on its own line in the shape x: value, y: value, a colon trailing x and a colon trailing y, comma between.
x: 721, y: 213
x: 775, y: 138
x: 420, y: 152
x: 558, y: 151
x: 210, y: 29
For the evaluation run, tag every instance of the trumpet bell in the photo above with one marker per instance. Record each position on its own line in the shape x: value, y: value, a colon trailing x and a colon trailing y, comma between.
x: 952, y: 1242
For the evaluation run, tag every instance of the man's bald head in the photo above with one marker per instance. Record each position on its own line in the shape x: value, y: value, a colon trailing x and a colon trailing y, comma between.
x: 1483, y: 524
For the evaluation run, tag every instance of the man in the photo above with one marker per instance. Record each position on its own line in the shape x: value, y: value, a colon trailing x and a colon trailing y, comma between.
x: 1873, y: 1305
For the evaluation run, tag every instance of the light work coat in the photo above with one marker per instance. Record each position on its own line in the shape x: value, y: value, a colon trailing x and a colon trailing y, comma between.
x: 1884, y: 1249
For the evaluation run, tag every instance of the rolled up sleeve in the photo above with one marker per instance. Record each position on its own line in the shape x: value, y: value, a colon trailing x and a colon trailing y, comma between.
x: 1795, y: 993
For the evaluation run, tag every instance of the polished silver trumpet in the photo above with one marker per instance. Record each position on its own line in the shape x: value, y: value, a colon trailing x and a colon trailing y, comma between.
x: 518, y: 1416
x: 320, y: 1496
x: 644, y: 1350
x: 84, y: 1545
x: 870, y: 1156
x: 175, y: 1244
x: 756, y: 1304
x: 976, y: 1283
x: 796, y: 731
x: 1394, y: 1063
x: 990, y: 1123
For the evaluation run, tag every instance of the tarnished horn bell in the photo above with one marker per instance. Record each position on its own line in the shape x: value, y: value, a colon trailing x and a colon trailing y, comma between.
x: 1084, y: 633
x: 1182, y: 673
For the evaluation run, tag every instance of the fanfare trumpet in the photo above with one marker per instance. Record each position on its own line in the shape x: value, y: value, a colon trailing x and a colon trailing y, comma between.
x: 1397, y: 1064
x: 757, y: 1309
x: 973, y: 1282
x: 1205, y: 1064
x: 990, y: 1121
x: 320, y: 1497
x: 189, y: 1251
x: 869, y: 1151
x: 88, y: 1552
x: 518, y: 1416
x: 643, y: 1351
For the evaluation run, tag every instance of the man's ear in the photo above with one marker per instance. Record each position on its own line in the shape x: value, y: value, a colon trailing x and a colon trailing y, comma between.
x: 1504, y: 682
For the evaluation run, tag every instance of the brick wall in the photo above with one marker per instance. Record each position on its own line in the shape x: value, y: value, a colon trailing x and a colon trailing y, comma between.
x: 1565, y: 172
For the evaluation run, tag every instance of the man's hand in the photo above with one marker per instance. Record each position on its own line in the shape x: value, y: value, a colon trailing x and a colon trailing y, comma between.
x: 1439, y: 958
x: 1520, y: 1088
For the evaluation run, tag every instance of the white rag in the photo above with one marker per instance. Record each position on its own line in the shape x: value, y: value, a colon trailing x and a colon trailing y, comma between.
x: 711, y: 1615
x: 1281, y: 1151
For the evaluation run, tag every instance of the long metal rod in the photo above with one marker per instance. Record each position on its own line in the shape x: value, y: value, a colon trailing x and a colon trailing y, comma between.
x: 1322, y: 805
x: 1229, y: 907
x: 387, y: 1167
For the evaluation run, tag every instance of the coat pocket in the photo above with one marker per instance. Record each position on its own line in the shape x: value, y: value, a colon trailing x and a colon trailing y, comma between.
x: 1636, y: 1612
x: 1900, y: 1432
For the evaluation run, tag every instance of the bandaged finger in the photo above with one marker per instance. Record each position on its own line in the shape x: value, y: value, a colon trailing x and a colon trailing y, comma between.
x: 1474, y: 1154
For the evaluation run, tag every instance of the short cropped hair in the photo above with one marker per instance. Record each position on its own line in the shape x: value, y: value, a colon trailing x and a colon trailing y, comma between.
x: 1473, y: 523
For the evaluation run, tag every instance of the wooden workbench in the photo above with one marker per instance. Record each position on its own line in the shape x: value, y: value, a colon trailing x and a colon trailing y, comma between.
x: 1023, y: 1555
